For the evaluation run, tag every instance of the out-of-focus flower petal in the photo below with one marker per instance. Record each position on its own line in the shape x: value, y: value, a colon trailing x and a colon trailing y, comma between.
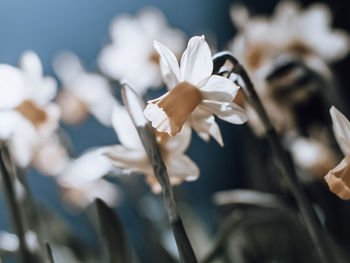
x: 12, y: 87
x: 313, y: 156
x: 239, y: 15
x: 73, y: 110
x: 67, y: 65
x: 181, y: 166
x: 130, y: 160
x: 23, y: 142
x: 51, y: 157
x: 88, y: 167
x: 341, y: 128
x: 80, y: 196
x: 131, y: 54
x: 196, y: 62
x: 8, y: 123
x: 91, y: 91
x: 227, y: 111
x: 30, y: 64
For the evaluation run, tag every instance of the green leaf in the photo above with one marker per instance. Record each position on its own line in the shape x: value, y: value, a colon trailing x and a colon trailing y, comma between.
x: 116, y: 248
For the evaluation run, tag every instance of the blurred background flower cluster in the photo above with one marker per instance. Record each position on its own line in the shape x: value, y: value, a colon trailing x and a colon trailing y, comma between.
x: 62, y: 118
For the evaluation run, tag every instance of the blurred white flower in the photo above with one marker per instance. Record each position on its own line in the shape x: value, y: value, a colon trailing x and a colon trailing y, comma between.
x: 195, y: 94
x: 50, y: 157
x: 27, y: 114
x: 83, y: 92
x: 290, y: 34
x: 301, y: 32
x: 82, y: 181
x: 338, y: 179
x: 131, y: 157
x: 131, y: 55
x: 314, y: 156
x: 9, y: 243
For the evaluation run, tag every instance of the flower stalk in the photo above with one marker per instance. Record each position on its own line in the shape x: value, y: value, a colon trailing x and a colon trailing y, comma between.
x: 283, y: 158
x: 6, y: 169
x: 135, y: 107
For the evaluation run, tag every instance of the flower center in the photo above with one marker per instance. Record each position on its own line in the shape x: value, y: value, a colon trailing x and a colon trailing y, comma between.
x: 299, y: 48
x: 179, y: 104
x: 73, y: 110
x: 162, y: 137
x: 154, y: 58
x: 32, y: 112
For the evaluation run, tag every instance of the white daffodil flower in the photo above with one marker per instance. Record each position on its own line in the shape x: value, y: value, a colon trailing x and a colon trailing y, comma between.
x: 301, y: 32
x: 338, y: 179
x: 82, y: 181
x: 131, y: 54
x: 27, y: 114
x: 131, y: 157
x: 83, y: 92
x: 195, y: 94
x: 290, y: 34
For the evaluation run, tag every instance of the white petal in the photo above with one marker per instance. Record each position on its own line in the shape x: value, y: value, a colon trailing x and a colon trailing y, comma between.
x: 67, y: 65
x: 227, y: 111
x: 168, y: 65
x: 196, y: 62
x: 8, y: 123
x: 180, y: 142
x: 104, y: 190
x: 130, y: 160
x: 181, y: 166
x: 23, y: 141
x: 341, y: 128
x: 203, y: 122
x: 125, y: 129
x: 86, y: 168
x: 82, y: 195
x: 160, y: 120
x: 53, y: 114
x: 12, y: 89
x: 220, y: 89
x: 51, y: 157
x: 30, y: 64
x: 239, y: 15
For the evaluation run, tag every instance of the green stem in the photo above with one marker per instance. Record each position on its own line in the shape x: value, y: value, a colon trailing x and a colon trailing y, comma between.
x: 135, y: 107
x: 283, y: 158
x: 6, y: 166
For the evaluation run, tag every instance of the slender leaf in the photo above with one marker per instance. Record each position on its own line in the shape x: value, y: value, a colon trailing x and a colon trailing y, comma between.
x: 115, y: 244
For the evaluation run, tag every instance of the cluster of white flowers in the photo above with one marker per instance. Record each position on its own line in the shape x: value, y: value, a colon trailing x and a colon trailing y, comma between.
x: 30, y: 108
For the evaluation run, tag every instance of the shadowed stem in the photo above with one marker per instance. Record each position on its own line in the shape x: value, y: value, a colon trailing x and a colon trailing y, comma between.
x: 282, y: 157
x: 135, y: 107
x: 6, y: 166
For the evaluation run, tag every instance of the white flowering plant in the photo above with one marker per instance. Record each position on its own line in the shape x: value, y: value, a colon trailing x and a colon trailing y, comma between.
x: 273, y: 71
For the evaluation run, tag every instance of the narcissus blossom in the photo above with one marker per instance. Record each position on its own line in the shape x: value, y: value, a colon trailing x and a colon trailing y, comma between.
x: 302, y: 35
x: 131, y: 157
x: 27, y: 115
x: 83, y: 92
x: 301, y: 32
x: 195, y: 94
x: 131, y: 55
x: 81, y: 181
x: 338, y: 179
